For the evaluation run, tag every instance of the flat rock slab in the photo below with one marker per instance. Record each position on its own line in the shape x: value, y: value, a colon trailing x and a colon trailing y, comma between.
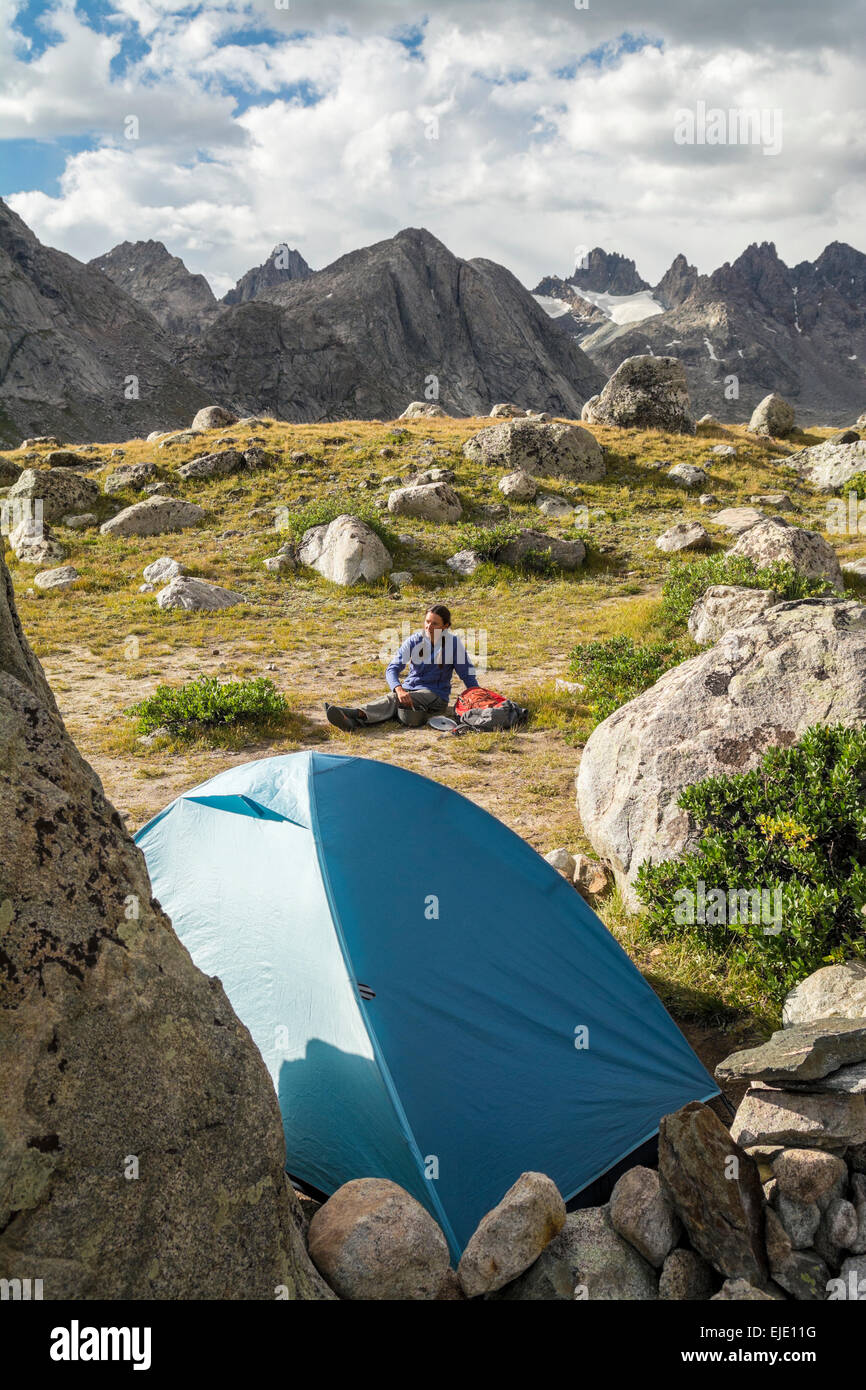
x: 803, y: 1052
x: 738, y: 519
x: 834, y: 990
x: 800, y: 1119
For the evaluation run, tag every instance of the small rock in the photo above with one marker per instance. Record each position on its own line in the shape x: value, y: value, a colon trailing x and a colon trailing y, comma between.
x: 684, y: 535
x: 685, y: 1275
x: 591, y: 878
x: 196, y: 594
x: 213, y: 417
x: 641, y: 1212
x: 60, y: 578
x: 512, y: 1236
x: 562, y: 861
x: 688, y: 475
x: 371, y: 1240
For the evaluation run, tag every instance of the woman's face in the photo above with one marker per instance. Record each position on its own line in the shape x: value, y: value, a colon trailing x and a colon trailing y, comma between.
x: 433, y: 627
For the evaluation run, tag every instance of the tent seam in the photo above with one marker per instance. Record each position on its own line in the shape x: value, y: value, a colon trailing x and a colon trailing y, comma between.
x: 402, y: 1118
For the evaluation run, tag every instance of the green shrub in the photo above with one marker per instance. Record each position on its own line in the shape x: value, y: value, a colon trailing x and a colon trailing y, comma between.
x: 688, y: 580
x: 616, y: 670
x: 793, y: 831
x: 857, y: 485
x: 295, y: 522
x: 203, y: 703
x: 486, y: 540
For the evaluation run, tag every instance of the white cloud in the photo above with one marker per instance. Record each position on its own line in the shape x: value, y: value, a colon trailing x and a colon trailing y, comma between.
x: 522, y: 171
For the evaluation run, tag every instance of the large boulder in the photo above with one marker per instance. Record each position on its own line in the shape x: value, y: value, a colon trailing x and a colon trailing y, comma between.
x: 10, y: 472
x: 512, y: 1236
x: 345, y: 551
x: 832, y: 991
x: 61, y: 493
x: 61, y: 578
x: 544, y: 449
x: 724, y: 606
x: 213, y: 417
x: 806, y: 551
x: 429, y: 501
x: 802, y: 662
x: 772, y: 416
x: 716, y: 1191
x: 371, y: 1240
x: 647, y: 393
x: 154, y: 517
x: 142, y: 1147
x: 828, y: 466
x: 588, y: 1260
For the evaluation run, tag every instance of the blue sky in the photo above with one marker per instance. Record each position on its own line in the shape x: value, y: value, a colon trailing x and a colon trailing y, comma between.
x: 513, y: 131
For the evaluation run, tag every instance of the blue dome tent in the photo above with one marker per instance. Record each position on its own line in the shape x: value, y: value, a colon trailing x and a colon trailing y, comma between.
x: 435, y: 1004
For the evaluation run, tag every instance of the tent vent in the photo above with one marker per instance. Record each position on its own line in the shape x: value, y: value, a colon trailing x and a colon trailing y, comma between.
x: 366, y: 992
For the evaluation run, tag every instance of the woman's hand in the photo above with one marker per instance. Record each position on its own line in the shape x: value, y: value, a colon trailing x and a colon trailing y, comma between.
x: 403, y: 697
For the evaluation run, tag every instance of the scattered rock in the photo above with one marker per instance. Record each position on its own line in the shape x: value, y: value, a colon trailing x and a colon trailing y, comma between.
x: 429, y: 501
x: 540, y: 449
x: 33, y: 543
x: 519, y: 487
x: 740, y: 1291
x: 724, y: 451
x: 738, y: 519
x: 154, y: 517
x: 513, y: 1235
x: 570, y: 555
x: 196, y: 594
x: 587, y: 1260
x: 60, y: 578
x: 213, y: 417
x: 465, y: 562
x: 346, y: 551
x: 688, y: 475
x: 591, y: 878
x: 684, y: 535
x: 507, y: 411
x: 827, y: 467
x: 162, y: 570
x: 801, y: 1273
x: 215, y: 465
x: 131, y: 475
x: 81, y: 522
x: 800, y: 1052
x: 65, y: 458
x: 781, y: 500
x: 371, y: 1240
x: 773, y: 417
x: 562, y: 861
x: 417, y: 409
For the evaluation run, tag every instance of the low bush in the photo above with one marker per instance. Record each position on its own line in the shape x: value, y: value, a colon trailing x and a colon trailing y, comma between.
x: 617, y: 669
x: 778, y: 879
x: 688, y: 580
x: 205, y: 703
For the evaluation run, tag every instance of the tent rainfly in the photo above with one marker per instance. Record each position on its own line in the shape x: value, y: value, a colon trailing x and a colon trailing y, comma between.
x: 434, y: 1002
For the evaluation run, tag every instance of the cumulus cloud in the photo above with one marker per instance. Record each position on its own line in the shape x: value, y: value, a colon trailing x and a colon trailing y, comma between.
x: 518, y: 133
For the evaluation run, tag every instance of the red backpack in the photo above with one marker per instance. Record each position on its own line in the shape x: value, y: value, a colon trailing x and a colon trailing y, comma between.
x: 486, y: 709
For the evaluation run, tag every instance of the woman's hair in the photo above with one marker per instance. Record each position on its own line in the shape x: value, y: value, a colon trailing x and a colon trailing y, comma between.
x: 441, y: 612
